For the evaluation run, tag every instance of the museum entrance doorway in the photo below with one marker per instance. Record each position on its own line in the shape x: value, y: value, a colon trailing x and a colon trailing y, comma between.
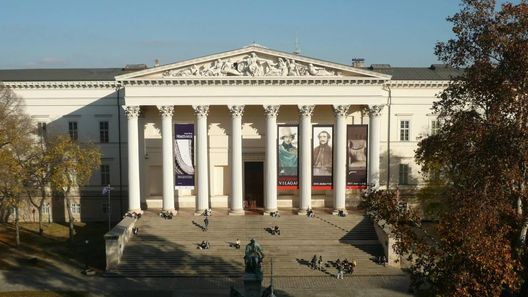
x: 253, y: 185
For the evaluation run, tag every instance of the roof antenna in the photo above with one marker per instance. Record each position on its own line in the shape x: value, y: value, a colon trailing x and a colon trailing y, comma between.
x: 297, y: 50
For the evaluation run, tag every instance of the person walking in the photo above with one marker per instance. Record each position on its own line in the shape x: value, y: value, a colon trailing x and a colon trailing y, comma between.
x: 206, y: 223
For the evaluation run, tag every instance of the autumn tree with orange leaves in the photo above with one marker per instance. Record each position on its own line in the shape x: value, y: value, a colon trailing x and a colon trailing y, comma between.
x: 478, y: 246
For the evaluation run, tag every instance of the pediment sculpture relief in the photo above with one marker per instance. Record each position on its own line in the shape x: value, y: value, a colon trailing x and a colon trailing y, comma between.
x: 251, y: 65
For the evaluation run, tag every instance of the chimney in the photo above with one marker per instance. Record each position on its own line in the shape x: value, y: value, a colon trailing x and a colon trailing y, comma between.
x: 156, y: 63
x: 358, y: 62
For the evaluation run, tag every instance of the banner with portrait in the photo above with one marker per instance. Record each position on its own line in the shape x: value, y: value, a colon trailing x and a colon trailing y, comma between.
x: 322, y: 156
x: 184, y: 156
x: 287, y: 157
x: 357, y: 148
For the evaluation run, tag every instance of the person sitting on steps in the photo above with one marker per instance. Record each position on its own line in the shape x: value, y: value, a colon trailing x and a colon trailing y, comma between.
x: 276, y: 230
x: 310, y: 213
x: 204, y: 245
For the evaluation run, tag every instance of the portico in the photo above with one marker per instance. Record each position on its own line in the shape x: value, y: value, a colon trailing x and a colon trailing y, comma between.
x: 237, y: 101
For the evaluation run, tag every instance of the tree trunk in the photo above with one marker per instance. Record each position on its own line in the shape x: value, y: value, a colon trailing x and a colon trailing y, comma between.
x: 70, y: 219
x: 17, y: 226
x: 41, y: 230
x: 524, y: 230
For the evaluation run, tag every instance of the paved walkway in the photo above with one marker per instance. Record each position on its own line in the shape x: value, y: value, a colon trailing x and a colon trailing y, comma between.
x: 46, y: 279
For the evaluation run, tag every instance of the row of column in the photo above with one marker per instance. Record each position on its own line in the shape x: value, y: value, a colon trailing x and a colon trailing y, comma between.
x: 236, y: 163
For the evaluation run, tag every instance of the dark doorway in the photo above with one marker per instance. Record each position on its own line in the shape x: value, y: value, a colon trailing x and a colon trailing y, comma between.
x: 254, y: 184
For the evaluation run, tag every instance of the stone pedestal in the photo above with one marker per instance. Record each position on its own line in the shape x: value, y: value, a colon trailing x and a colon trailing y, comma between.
x: 252, y: 285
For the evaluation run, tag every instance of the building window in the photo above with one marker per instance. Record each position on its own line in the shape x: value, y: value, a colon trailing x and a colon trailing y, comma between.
x: 76, y: 208
x: 103, y: 132
x: 46, y: 208
x: 435, y: 127
x: 105, y: 174
x: 404, y: 174
x: 72, y: 129
x: 404, y: 130
x: 41, y: 130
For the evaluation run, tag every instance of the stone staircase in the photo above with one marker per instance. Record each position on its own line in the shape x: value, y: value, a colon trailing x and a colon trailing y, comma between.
x: 168, y: 248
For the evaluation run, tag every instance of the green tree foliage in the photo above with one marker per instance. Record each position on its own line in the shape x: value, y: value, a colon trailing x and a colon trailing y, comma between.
x: 478, y: 248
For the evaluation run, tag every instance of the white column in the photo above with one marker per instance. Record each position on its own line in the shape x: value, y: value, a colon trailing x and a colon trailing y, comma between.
x: 134, y: 204
x: 236, y: 159
x: 202, y: 199
x: 374, y: 145
x: 168, y: 158
x: 305, y: 158
x: 340, y: 159
x: 270, y: 166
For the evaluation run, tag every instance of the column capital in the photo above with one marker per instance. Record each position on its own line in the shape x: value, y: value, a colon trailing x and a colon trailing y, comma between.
x: 201, y: 110
x: 166, y: 110
x: 306, y: 110
x: 271, y: 110
x: 341, y: 110
x: 236, y: 110
x: 132, y: 111
x: 374, y: 110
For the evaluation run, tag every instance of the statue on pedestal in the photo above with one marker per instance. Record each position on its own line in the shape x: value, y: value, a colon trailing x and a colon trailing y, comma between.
x: 253, y: 257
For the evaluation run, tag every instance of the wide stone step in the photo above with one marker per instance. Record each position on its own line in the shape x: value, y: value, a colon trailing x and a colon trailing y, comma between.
x: 167, y: 248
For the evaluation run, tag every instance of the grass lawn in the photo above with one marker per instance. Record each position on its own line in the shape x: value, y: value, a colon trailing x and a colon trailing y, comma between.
x: 52, y: 245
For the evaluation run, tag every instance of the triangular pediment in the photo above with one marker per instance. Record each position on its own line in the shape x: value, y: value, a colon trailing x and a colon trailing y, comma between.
x: 252, y: 61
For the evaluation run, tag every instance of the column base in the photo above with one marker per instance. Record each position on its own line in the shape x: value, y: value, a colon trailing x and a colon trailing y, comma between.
x: 302, y: 212
x: 336, y: 211
x: 130, y: 211
x: 236, y: 212
x: 171, y: 211
x: 267, y: 212
x: 199, y: 212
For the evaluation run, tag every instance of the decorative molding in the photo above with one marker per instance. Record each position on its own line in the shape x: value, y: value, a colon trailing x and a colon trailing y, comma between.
x: 271, y: 110
x: 266, y: 54
x: 251, y: 81
x: 306, y: 110
x: 341, y: 110
x: 132, y: 111
x: 62, y: 84
x: 201, y: 110
x: 236, y: 110
x: 423, y: 84
x: 166, y: 110
x: 374, y: 110
x: 251, y: 65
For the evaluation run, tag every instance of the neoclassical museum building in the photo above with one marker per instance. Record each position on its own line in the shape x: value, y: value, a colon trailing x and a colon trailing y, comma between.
x: 251, y: 128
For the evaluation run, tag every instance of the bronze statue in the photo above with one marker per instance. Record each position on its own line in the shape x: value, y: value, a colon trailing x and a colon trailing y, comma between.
x: 253, y: 257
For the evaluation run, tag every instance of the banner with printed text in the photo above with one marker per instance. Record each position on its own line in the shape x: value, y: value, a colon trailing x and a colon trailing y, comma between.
x: 322, y: 157
x: 357, y: 148
x: 184, y: 156
x: 287, y: 157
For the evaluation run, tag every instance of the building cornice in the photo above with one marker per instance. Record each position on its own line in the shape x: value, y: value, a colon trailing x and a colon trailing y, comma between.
x: 418, y: 84
x: 253, y: 81
x: 90, y: 84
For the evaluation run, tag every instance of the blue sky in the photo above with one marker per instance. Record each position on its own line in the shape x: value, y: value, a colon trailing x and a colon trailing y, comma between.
x: 112, y: 33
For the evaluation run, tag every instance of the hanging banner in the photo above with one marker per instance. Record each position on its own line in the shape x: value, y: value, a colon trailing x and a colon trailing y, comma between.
x: 287, y: 161
x: 357, y: 136
x: 322, y: 154
x: 184, y: 156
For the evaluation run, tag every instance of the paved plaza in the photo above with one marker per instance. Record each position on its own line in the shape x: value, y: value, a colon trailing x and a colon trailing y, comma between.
x: 163, y: 259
